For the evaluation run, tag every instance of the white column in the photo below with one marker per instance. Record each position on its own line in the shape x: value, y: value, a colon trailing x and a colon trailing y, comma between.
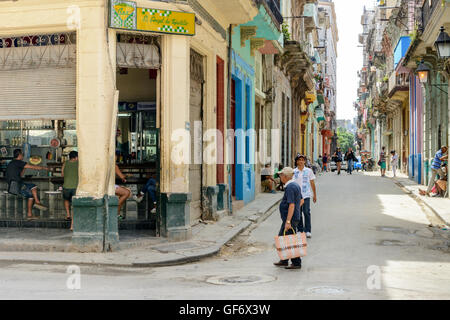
x: 175, y: 126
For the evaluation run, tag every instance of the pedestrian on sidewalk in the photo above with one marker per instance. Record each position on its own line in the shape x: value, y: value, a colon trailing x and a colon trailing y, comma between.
x: 69, y: 172
x: 350, y: 157
x: 436, y: 167
x: 17, y: 186
x: 382, y: 162
x: 394, y: 162
x: 305, y: 178
x: 290, y: 212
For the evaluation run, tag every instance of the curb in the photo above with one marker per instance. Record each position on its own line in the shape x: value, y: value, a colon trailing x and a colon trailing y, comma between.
x: 193, y: 257
x: 205, y: 253
x: 418, y: 199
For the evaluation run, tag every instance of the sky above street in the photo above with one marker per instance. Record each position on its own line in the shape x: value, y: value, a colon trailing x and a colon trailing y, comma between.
x: 350, y: 58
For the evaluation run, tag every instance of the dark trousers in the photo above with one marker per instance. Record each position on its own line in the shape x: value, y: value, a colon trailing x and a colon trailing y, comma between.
x: 305, y: 212
x: 294, y: 224
x: 350, y: 166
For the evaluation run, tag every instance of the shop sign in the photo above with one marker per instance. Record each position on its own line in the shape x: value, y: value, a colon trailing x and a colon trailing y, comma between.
x: 123, y: 14
x: 166, y: 21
x: 126, y: 15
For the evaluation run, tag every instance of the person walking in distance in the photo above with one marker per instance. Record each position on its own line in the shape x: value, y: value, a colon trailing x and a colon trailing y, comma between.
x: 305, y: 178
x: 69, y: 172
x: 338, y: 160
x: 325, y: 163
x: 382, y: 162
x: 394, y: 161
x: 350, y: 157
x: 436, y: 167
x: 290, y: 212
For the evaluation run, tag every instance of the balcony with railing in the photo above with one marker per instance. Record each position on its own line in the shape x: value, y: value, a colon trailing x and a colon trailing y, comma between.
x: 398, y: 85
x: 311, y: 14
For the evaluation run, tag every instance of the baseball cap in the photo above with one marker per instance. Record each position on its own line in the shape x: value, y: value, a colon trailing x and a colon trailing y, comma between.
x: 300, y: 156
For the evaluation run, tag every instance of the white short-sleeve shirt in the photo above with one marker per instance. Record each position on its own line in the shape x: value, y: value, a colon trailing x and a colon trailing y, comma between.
x: 303, y: 179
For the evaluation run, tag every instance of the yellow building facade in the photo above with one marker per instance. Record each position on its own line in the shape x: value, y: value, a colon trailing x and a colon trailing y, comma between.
x: 186, y: 73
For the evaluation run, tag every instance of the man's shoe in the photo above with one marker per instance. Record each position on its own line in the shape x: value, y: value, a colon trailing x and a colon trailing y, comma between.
x: 281, y: 264
x: 138, y: 198
x: 293, y: 267
x: 40, y: 207
x: 308, y: 234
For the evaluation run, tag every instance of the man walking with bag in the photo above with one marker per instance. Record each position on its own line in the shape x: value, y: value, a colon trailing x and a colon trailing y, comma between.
x: 290, y: 213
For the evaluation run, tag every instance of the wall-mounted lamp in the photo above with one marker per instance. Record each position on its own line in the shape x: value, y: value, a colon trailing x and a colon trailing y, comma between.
x: 423, y: 72
x: 442, y: 44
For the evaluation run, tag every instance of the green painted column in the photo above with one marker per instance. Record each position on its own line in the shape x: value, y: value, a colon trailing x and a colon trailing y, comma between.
x: 95, y: 229
x: 175, y: 217
x: 221, y: 197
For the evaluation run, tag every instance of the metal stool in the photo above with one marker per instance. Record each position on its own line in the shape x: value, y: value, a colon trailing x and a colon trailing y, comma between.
x: 10, y: 205
x: 53, y: 208
x: 3, y: 213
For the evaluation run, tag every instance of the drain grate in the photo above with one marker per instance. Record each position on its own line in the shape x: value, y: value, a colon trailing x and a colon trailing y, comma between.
x: 241, y: 279
x: 327, y: 290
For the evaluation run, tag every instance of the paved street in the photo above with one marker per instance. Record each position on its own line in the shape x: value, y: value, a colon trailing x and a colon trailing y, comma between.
x: 359, y: 222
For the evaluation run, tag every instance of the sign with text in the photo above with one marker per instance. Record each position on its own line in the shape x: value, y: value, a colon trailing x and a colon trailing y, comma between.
x: 165, y: 21
x: 126, y: 15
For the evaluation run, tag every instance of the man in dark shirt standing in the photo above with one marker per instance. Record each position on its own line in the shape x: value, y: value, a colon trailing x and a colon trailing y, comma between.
x: 14, y: 172
x: 290, y: 212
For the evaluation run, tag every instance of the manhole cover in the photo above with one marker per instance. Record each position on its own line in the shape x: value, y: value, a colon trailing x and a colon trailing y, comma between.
x: 326, y: 290
x: 242, y: 279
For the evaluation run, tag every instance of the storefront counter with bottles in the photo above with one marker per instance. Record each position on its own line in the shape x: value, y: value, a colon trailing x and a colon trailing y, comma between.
x: 45, y: 143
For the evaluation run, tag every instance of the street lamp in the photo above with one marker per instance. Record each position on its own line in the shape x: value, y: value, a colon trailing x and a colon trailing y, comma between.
x: 423, y: 71
x: 442, y: 44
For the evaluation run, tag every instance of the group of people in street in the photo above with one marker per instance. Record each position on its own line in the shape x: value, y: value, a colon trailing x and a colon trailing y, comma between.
x: 382, y: 162
x: 295, y: 207
x: 438, y: 169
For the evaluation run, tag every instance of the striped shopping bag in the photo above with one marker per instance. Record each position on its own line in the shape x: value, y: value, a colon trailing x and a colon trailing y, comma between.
x: 291, y: 246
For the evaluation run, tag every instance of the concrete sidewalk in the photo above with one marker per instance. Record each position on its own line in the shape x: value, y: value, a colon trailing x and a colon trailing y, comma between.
x: 137, y: 250
x: 439, y: 206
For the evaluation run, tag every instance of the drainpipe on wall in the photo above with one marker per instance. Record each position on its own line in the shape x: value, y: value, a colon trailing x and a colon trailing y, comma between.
x: 230, y: 48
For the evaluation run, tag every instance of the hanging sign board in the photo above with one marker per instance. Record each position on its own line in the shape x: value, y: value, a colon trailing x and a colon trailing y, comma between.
x: 126, y: 15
